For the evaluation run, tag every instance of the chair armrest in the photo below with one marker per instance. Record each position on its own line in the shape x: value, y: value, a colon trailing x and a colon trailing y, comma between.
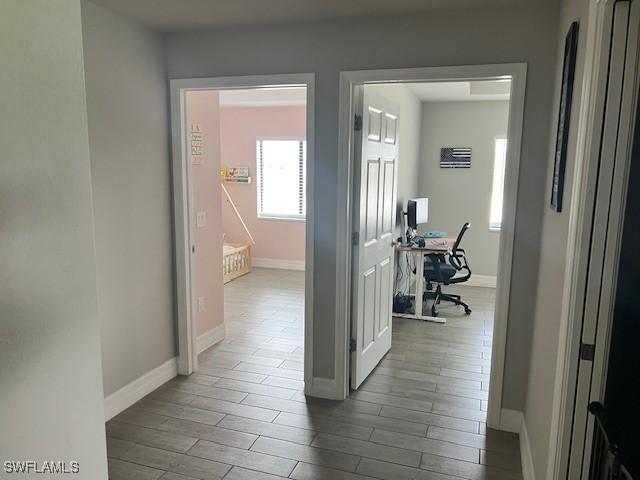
x: 458, y: 260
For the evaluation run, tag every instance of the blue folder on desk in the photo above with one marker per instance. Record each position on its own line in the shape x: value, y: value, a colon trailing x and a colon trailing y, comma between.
x: 435, y: 234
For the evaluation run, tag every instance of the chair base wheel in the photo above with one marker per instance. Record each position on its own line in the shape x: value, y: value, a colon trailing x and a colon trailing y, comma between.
x: 467, y: 311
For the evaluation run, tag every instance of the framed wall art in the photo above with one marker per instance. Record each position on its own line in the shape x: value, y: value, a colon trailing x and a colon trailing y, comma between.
x: 564, y: 116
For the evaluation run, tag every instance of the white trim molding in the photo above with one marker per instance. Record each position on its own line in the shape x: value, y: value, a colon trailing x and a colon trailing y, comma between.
x: 322, y: 388
x: 278, y: 263
x: 349, y: 81
x: 511, y: 420
x: 526, y: 457
x: 211, y: 337
x: 129, y: 394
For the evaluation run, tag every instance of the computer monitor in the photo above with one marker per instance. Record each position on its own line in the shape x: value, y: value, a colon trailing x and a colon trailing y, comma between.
x: 417, y: 212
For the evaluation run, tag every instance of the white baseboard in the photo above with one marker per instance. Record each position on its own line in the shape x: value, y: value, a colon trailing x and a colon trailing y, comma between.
x: 321, y: 388
x: 488, y: 281
x: 513, y: 421
x: 129, y: 394
x: 211, y: 337
x: 510, y: 420
x: 528, y: 473
x: 277, y: 263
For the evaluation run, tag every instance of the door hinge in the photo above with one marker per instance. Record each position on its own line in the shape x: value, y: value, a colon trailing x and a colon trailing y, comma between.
x: 355, y: 238
x: 587, y: 352
x: 352, y: 345
x: 193, y: 248
x: 357, y: 123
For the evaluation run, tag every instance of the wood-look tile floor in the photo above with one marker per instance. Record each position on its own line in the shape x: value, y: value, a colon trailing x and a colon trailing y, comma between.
x: 420, y: 415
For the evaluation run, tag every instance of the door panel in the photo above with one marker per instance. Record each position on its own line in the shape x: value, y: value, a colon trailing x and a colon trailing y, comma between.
x: 388, y: 200
x: 373, y: 181
x: 374, y: 220
x: 369, y: 285
x: 375, y: 124
x: 385, y: 300
x: 391, y: 128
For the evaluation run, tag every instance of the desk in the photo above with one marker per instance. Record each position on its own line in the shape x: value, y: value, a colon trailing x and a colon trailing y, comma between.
x: 441, y: 246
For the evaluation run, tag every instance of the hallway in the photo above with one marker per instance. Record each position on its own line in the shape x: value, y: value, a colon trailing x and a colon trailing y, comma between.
x: 420, y: 415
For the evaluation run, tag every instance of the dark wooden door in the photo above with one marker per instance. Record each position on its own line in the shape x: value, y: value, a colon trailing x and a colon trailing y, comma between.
x: 616, y: 445
x: 622, y: 394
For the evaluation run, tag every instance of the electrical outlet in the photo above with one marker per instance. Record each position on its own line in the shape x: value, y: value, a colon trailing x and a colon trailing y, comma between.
x: 200, y: 304
x: 201, y: 219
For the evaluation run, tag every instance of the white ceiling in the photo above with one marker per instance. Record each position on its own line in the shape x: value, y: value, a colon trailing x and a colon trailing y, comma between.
x: 176, y: 15
x: 264, y: 97
x: 461, y: 91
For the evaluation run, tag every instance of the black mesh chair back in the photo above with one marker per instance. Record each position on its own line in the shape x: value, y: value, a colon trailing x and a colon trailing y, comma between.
x: 464, y: 228
x: 454, y: 259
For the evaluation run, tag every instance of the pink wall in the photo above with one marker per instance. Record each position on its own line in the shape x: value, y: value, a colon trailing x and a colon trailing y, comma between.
x: 240, y: 127
x: 203, y: 108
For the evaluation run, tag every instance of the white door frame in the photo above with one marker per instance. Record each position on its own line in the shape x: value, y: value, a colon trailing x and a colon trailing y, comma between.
x: 185, y: 294
x: 348, y: 81
x: 587, y: 157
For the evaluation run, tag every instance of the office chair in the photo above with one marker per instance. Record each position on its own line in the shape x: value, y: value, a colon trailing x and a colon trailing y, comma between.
x: 439, y: 271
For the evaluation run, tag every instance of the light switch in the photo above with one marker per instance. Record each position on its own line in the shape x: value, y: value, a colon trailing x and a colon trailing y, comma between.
x: 201, y: 219
x: 200, y: 304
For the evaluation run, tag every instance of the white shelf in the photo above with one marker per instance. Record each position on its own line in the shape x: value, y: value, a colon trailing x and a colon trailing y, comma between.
x: 245, y: 180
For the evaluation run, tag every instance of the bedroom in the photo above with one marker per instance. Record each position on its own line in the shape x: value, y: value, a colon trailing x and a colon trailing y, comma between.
x: 247, y: 151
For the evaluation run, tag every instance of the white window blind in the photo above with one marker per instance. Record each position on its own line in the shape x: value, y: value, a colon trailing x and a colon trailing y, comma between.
x: 281, y: 167
x: 497, y: 190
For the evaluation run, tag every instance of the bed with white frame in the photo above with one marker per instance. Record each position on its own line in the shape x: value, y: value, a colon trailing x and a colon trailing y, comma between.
x: 236, y: 257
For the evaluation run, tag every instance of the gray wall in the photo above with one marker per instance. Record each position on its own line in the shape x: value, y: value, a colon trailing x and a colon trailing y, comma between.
x: 555, y: 229
x: 51, y: 400
x: 487, y: 35
x: 458, y: 195
x: 128, y: 137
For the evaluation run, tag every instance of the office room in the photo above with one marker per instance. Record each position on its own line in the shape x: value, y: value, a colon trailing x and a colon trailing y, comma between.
x: 450, y: 185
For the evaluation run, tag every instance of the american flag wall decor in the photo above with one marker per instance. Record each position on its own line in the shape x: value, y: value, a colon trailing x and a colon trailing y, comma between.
x: 455, y: 157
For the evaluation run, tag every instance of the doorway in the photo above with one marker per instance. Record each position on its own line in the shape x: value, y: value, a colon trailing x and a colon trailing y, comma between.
x: 243, y: 170
x: 353, y: 92
x: 258, y: 137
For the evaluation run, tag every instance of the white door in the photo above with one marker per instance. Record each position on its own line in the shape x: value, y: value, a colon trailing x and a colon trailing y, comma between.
x: 375, y: 170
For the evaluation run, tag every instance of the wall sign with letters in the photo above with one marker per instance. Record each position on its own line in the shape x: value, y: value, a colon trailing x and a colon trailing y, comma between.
x: 197, y: 144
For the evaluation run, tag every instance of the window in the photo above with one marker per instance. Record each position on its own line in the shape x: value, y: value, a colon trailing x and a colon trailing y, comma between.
x: 281, y: 178
x: 497, y: 191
